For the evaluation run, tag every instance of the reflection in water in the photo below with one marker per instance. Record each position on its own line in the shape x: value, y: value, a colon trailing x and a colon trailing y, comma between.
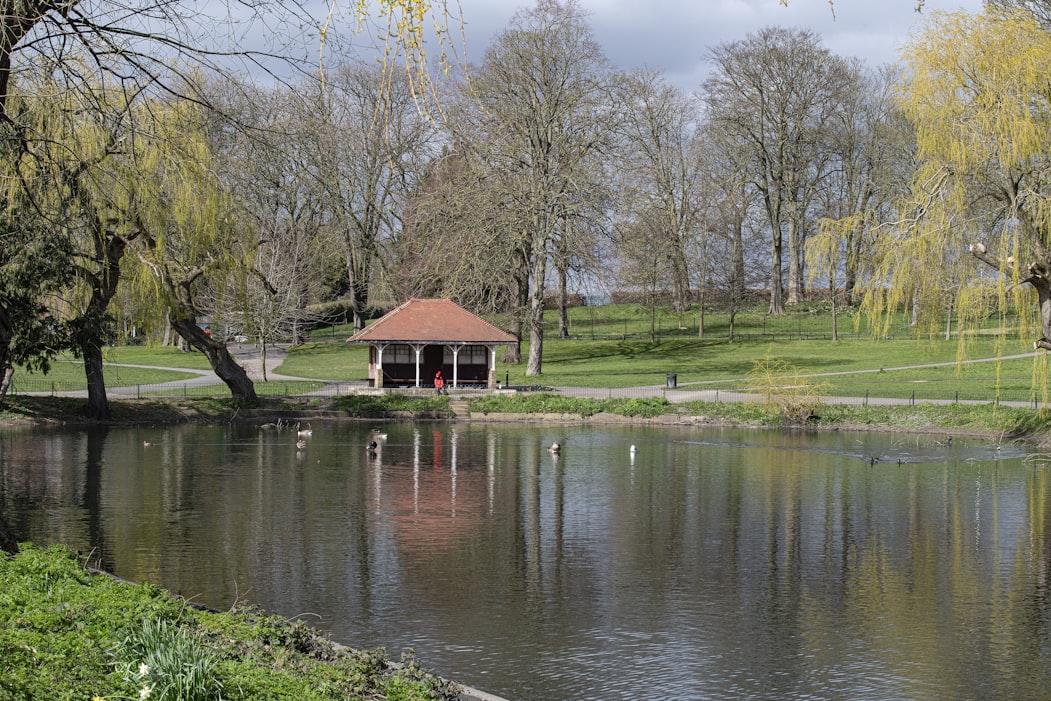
x: 706, y: 564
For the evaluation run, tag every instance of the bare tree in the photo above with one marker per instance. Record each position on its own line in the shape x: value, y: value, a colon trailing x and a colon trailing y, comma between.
x: 274, y: 163
x: 871, y: 159
x: 458, y: 239
x: 773, y: 93
x: 544, y: 91
x: 660, y: 171
x: 373, y: 155
x: 1039, y: 9
x: 732, y: 229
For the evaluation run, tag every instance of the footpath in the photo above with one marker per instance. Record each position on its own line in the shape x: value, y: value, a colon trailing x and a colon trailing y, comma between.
x: 250, y: 358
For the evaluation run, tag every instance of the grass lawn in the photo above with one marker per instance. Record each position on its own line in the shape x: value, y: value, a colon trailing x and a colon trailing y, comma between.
x: 611, y: 347
x: 327, y: 361
x: 635, y: 362
x: 68, y: 375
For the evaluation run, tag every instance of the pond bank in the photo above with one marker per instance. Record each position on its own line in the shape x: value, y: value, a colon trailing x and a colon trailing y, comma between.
x: 981, y: 421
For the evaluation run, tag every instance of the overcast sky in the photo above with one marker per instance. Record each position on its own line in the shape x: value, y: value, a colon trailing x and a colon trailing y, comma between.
x: 675, y: 35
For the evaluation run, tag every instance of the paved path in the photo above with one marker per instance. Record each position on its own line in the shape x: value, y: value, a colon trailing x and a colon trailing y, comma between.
x: 708, y: 391
x: 248, y: 356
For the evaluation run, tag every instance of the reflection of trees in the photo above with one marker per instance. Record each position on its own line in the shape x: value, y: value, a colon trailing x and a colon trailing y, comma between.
x: 823, y: 569
x: 91, y: 499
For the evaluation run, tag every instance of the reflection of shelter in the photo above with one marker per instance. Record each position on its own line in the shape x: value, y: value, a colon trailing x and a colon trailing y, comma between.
x: 411, y: 343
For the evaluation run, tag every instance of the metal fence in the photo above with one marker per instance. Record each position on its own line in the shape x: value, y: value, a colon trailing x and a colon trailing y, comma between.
x: 701, y: 392
x: 872, y: 397
x: 186, y: 390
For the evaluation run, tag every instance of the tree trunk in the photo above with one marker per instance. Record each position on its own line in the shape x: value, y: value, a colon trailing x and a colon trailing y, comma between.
x: 795, y: 270
x: 262, y: 355
x: 357, y: 285
x: 536, y: 312
x: 520, y: 275
x: 681, y: 278
x: 1043, y: 291
x: 7, y: 370
x: 563, y: 302
x: 7, y: 373
x: 93, y: 322
x: 513, y: 354
x: 358, y: 301
x: 653, y: 314
x: 98, y: 402
x: 850, y: 266
x: 737, y: 281
x: 777, y: 296
x: 832, y: 297
x: 223, y: 364
x: 700, y: 309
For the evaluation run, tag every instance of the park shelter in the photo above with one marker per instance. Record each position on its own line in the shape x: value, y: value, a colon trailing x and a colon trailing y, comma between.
x: 412, y: 342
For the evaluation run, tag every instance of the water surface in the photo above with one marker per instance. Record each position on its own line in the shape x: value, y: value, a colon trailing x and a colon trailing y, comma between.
x: 712, y: 564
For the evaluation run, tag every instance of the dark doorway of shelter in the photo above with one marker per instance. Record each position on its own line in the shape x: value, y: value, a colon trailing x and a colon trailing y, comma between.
x: 432, y: 363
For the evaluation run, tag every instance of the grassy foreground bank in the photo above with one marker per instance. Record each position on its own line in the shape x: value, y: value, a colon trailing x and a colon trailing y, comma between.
x: 68, y: 634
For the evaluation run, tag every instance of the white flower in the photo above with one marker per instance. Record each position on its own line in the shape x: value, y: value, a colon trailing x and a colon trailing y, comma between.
x: 144, y: 692
x: 144, y: 669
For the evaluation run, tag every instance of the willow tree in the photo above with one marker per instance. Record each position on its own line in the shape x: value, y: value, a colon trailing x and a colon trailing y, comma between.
x: 69, y: 180
x: 185, y: 225
x: 977, y: 94
x: 826, y: 251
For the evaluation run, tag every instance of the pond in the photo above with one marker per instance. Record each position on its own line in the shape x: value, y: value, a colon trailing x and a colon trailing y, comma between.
x: 709, y: 563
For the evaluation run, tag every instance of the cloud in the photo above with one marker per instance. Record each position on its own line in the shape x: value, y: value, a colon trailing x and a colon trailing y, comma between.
x: 676, y: 35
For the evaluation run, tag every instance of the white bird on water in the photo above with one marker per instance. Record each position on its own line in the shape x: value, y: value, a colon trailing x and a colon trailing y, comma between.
x: 555, y: 449
x: 633, y: 449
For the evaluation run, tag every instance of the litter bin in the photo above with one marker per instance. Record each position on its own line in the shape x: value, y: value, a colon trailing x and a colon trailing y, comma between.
x: 673, y: 380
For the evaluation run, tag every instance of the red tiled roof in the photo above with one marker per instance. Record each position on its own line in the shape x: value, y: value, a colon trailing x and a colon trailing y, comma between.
x: 431, y: 321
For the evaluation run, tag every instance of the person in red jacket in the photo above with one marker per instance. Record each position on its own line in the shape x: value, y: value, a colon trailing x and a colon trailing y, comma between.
x: 439, y: 383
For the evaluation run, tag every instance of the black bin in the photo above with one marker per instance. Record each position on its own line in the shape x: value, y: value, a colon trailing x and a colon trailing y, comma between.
x: 673, y: 380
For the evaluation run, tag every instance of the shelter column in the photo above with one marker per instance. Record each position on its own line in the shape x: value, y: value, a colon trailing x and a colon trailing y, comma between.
x: 378, y: 378
x: 491, y: 378
x: 456, y: 363
x: 418, y: 347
